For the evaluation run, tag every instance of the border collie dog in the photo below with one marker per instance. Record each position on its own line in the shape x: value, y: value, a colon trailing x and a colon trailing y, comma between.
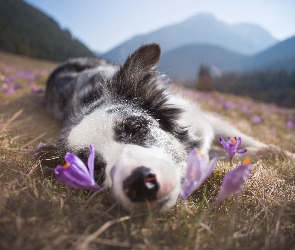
x: 141, y: 132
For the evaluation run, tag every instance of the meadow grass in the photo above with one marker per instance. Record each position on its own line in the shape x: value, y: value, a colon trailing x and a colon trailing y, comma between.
x: 38, y: 212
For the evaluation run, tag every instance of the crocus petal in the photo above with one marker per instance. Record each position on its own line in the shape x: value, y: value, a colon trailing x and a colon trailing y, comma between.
x: 76, y: 174
x: 193, y: 168
x: 187, y: 188
x: 233, y: 182
x: 204, y: 160
x: 77, y: 165
x: 222, y: 142
x: 238, y: 142
x: 241, y: 151
x: 211, y: 167
x: 196, y: 165
x: 198, y: 170
x: 67, y: 178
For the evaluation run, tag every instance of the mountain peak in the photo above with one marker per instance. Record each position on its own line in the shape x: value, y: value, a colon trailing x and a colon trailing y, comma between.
x: 204, y: 16
x: 202, y: 28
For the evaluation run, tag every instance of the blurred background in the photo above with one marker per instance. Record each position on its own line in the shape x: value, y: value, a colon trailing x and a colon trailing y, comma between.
x: 245, y: 48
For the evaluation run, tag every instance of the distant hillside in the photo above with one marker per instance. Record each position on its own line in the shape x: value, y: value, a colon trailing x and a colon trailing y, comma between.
x: 27, y: 31
x: 200, y: 29
x: 184, y: 63
x: 277, y: 57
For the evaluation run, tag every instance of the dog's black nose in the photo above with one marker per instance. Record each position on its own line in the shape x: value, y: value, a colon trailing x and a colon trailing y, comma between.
x: 141, y: 185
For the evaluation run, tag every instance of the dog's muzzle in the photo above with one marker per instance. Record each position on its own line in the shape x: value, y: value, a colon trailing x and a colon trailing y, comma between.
x: 143, y: 176
x: 141, y: 185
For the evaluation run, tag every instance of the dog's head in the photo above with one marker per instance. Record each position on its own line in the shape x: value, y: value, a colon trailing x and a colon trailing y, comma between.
x: 139, y: 142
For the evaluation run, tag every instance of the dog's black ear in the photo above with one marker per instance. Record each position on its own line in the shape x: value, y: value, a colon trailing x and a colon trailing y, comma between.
x: 137, y: 71
x: 140, y: 64
x: 144, y: 58
x: 137, y: 80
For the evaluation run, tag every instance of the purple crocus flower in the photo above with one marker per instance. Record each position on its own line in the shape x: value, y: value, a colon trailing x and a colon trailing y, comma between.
x: 233, y: 182
x: 74, y: 173
x: 28, y: 75
x: 231, y: 146
x: 10, y: 91
x: 291, y: 123
x: 9, y: 79
x: 17, y: 86
x: 245, y: 109
x: 257, y: 119
x: 37, y: 90
x: 227, y: 105
x: 198, y: 169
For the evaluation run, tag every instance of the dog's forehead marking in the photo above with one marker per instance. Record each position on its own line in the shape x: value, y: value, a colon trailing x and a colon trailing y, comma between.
x: 96, y: 128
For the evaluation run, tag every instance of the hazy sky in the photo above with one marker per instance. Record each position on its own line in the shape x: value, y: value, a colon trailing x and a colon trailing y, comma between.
x: 103, y: 24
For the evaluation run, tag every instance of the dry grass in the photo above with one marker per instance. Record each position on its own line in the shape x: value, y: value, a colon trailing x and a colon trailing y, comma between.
x: 37, y: 212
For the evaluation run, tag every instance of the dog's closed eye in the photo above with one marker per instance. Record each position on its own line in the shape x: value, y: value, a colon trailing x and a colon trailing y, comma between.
x: 132, y: 127
x: 132, y: 130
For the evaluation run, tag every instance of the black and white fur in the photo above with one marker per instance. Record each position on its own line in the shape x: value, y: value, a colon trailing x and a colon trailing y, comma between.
x: 142, y: 134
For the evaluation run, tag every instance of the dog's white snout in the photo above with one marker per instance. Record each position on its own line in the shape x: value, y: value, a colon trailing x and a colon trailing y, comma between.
x: 140, y: 175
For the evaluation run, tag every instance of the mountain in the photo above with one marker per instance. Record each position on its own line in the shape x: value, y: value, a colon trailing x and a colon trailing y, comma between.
x: 279, y: 56
x: 200, y: 29
x: 97, y: 53
x: 258, y: 36
x: 183, y: 63
x: 27, y: 31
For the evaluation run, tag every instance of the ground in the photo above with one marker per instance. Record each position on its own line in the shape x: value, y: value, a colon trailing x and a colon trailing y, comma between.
x: 38, y: 212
